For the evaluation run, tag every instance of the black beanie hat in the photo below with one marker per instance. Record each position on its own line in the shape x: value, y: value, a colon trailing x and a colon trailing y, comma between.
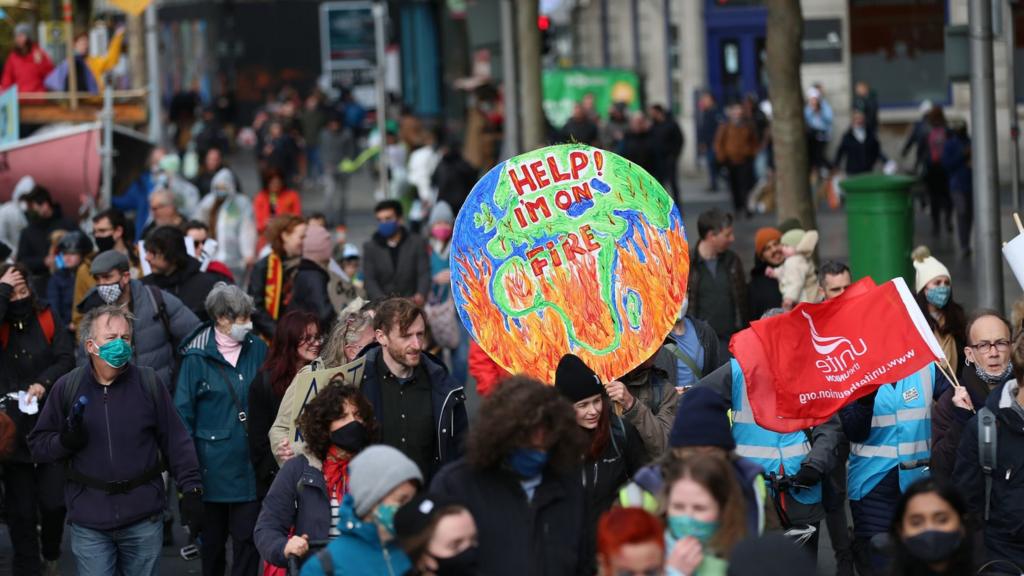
x: 701, y: 420
x: 575, y: 380
x: 415, y: 515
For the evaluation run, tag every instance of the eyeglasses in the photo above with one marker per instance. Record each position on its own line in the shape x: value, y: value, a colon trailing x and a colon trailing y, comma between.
x: 985, y: 346
x: 311, y: 340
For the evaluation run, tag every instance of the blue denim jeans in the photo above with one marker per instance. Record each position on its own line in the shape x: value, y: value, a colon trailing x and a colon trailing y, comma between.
x: 132, y: 551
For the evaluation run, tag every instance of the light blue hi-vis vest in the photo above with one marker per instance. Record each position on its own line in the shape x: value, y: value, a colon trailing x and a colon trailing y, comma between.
x: 775, y: 452
x: 901, y: 435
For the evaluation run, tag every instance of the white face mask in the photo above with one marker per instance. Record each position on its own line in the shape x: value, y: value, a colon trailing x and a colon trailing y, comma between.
x: 239, y: 331
x: 682, y: 311
x: 109, y: 293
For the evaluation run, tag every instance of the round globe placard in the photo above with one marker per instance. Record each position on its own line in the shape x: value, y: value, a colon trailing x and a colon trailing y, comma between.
x: 569, y: 248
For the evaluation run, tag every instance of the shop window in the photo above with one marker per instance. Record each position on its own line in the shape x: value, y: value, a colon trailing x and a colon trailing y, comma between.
x: 896, y: 46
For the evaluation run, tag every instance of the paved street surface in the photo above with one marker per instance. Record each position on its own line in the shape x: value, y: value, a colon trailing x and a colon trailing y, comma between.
x: 833, y: 245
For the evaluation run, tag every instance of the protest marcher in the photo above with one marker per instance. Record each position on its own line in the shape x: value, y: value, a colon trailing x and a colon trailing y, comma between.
x: 580, y: 127
x: 797, y: 276
x: 275, y: 199
x: 454, y: 177
x: 799, y: 460
x: 648, y: 397
x: 701, y: 427
x: 13, y: 217
x: 668, y: 139
x: 704, y: 515
x: 615, y: 451
x: 989, y: 476
x: 161, y: 321
x: 445, y: 320
x: 27, y: 64
x: 273, y: 276
x: 936, y: 179
x: 175, y: 272
x: 114, y: 492
x: 381, y: 480
x: 420, y: 407
x: 310, y: 288
x: 735, y: 147
x: 930, y: 531
x: 859, y: 147
x: 221, y: 358
x: 521, y: 481
x: 199, y: 233
x: 717, y: 289
x: 110, y: 231
x: 934, y: 291
x: 707, y: 127
x: 351, y: 334
x: 818, y: 118
x: 296, y: 344
x: 395, y: 261
x: 763, y: 292
x: 987, y: 368
x: 35, y: 350
x: 438, y: 535
x: 72, y: 250
x: 695, y: 347
x: 956, y: 159
x: 304, y: 500
x: 834, y: 278
x: 232, y: 224
x: 890, y: 448
x: 44, y: 216
x: 163, y: 212
x: 345, y: 285
x: 630, y: 541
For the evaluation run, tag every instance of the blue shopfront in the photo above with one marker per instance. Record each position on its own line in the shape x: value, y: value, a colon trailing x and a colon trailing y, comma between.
x: 735, y: 32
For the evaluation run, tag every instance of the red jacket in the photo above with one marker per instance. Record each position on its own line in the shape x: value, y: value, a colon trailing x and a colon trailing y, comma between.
x: 26, y: 70
x: 485, y: 371
x: 287, y: 202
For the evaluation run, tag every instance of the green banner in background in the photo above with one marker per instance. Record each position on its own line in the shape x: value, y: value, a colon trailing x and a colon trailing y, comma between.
x: 564, y: 88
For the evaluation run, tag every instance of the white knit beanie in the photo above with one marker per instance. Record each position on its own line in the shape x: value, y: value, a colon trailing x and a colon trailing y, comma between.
x: 927, y: 266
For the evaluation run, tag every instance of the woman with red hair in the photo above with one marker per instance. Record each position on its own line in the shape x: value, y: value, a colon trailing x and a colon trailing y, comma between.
x: 630, y: 541
x: 296, y: 344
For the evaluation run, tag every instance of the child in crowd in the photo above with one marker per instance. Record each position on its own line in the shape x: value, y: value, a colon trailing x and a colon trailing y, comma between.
x: 797, y: 276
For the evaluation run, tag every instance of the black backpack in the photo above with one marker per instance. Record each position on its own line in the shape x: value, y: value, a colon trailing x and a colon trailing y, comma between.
x: 988, y: 434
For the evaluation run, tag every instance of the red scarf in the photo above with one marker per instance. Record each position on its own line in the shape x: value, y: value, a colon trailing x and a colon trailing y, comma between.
x: 336, y: 473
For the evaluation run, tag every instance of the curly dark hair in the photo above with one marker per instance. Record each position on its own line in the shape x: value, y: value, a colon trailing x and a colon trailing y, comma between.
x: 513, y: 413
x: 329, y: 405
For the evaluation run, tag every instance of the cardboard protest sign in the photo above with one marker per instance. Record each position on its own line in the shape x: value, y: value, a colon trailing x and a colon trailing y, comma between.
x: 308, y: 384
x: 569, y: 249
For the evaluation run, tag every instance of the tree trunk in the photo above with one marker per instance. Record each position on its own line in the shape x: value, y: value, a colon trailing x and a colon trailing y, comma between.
x: 792, y: 183
x: 528, y: 41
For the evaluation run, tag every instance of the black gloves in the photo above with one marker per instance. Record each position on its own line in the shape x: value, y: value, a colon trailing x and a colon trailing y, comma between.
x: 191, y: 510
x: 73, y: 435
x: 807, y: 477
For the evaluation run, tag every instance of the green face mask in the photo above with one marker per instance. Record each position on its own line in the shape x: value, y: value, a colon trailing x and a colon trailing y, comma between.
x: 385, y: 515
x: 116, y: 353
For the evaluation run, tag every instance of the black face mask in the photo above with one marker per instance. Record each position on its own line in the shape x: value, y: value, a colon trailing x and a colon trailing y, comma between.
x: 934, y: 545
x: 351, y: 437
x: 105, y: 243
x: 20, y: 308
x: 462, y: 564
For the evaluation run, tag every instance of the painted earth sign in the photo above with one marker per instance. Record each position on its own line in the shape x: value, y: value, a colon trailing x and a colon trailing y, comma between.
x: 569, y: 249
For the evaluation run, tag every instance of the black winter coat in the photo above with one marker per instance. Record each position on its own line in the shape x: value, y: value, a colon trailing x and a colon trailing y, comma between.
x: 948, y: 423
x: 263, y: 406
x: 309, y: 293
x: 297, y: 499
x: 541, y: 537
x: 262, y: 322
x: 763, y: 292
x: 454, y: 178
x: 34, y: 247
x: 603, y: 478
x: 860, y: 157
x: 1004, y: 530
x: 29, y: 359
x: 406, y: 275
x: 190, y: 284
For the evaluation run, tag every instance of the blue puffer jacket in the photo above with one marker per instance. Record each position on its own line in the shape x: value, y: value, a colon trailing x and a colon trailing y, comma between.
x: 297, y: 499
x: 209, y: 413
x: 358, y: 552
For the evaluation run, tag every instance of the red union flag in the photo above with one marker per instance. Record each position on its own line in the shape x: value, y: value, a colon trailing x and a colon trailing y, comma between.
x: 822, y: 356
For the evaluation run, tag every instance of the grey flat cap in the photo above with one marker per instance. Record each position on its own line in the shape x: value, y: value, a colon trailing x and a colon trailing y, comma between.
x: 110, y: 260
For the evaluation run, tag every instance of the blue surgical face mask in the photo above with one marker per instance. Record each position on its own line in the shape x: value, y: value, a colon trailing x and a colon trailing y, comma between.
x: 387, y: 229
x: 682, y: 526
x: 115, y: 353
x: 528, y: 462
x: 938, y: 296
x: 58, y: 261
x: 385, y: 516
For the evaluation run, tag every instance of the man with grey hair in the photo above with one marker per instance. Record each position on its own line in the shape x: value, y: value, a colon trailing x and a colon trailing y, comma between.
x: 162, y: 321
x: 163, y: 211
x: 114, y: 425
